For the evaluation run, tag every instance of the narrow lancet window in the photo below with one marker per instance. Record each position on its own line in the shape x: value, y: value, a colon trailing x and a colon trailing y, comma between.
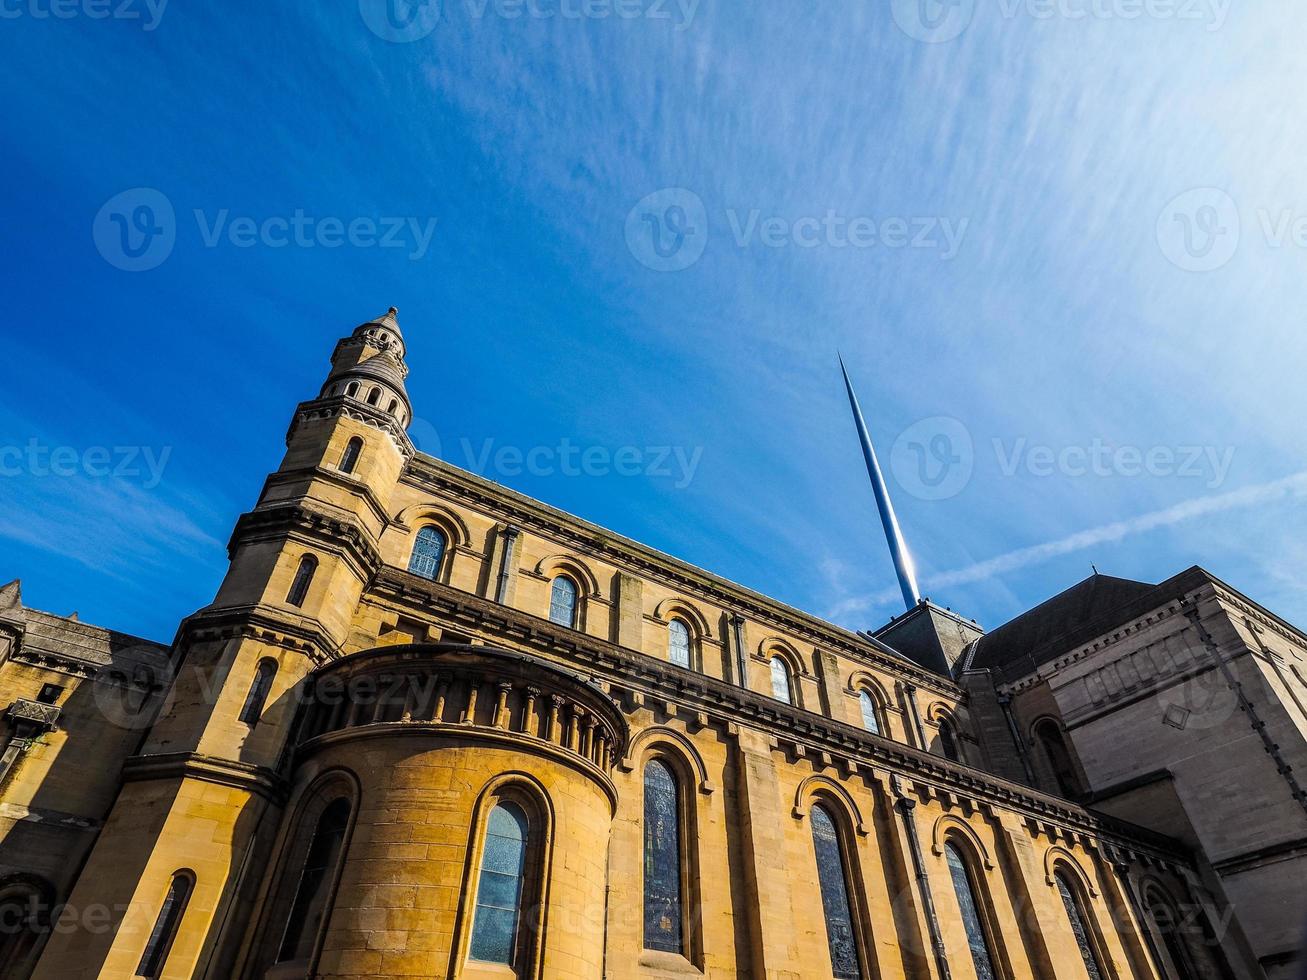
x: 165, y: 927
x: 663, y: 915
x: 833, y: 878
x: 678, y: 643
x: 562, y: 601
x: 311, y: 906
x: 299, y: 586
x: 258, y: 696
x: 969, y: 906
x: 1079, y: 927
x: 870, y: 717
x: 499, y: 891
x: 350, y: 457
x: 948, y: 743
x: 780, y: 681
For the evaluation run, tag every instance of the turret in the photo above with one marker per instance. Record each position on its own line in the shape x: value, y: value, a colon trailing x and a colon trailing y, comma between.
x: 211, y: 764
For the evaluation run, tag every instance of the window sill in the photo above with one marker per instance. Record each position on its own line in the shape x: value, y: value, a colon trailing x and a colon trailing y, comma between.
x: 667, y: 964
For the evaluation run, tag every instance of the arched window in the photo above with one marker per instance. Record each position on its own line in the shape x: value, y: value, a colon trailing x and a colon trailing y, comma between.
x: 664, y: 915
x: 780, y: 681
x: 833, y: 877
x: 1080, y: 926
x: 312, y: 902
x: 964, y: 887
x: 26, y: 902
x: 1168, y: 922
x: 299, y: 586
x: 394, y: 404
x: 374, y: 396
x: 499, y: 890
x: 165, y: 926
x: 1049, y: 735
x: 562, y: 601
x: 678, y: 643
x: 350, y: 457
x: 870, y: 712
x: 353, y: 389
x: 258, y: 696
x: 428, y: 550
x: 948, y: 741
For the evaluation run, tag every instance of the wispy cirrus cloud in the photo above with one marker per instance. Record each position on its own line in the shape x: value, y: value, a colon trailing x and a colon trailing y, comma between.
x: 1289, y: 488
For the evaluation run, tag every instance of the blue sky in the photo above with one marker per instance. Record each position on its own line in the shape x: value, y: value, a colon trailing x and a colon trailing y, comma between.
x: 1062, y: 245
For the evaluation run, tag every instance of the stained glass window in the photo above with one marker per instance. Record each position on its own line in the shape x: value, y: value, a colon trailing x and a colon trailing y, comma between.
x: 780, y: 680
x: 970, y: 908
x: 428, y: 549
x: 1079, y: 927
x: 562, y: 601
x: 299, y: 587
x: 499, y: 893
x: 349, y: 459
x: 870, y: 721
x: 678, y: 643
x: 662, y: 860
x: 165, y: 928
x: 835, y: 896
x: 310, y: 908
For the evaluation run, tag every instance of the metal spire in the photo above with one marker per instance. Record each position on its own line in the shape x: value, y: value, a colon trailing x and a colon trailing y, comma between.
x: 897, y: 548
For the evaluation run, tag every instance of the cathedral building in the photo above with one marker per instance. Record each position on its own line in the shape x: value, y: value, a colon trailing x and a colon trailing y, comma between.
x: 430, y: 727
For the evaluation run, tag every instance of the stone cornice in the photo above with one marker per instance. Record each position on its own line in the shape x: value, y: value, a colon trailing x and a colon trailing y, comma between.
x: 327, y: 474
x: 258, y: 780
x: 703, y: 700
x: 329, y: 533
x: 342, y: 406
x: 435, y: 476
x: 266, y: 624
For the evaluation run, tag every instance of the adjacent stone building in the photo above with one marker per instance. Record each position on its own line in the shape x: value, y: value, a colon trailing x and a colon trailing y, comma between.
x: 430, y: 727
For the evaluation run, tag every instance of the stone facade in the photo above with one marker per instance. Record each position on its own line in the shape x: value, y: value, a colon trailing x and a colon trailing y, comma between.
x: 430, y: 727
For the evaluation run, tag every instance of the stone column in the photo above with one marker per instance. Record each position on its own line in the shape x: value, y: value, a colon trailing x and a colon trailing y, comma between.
x: 762, y: 817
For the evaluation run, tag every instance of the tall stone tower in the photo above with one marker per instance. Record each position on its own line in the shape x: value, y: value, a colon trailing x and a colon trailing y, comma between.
x: 201, y: 799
